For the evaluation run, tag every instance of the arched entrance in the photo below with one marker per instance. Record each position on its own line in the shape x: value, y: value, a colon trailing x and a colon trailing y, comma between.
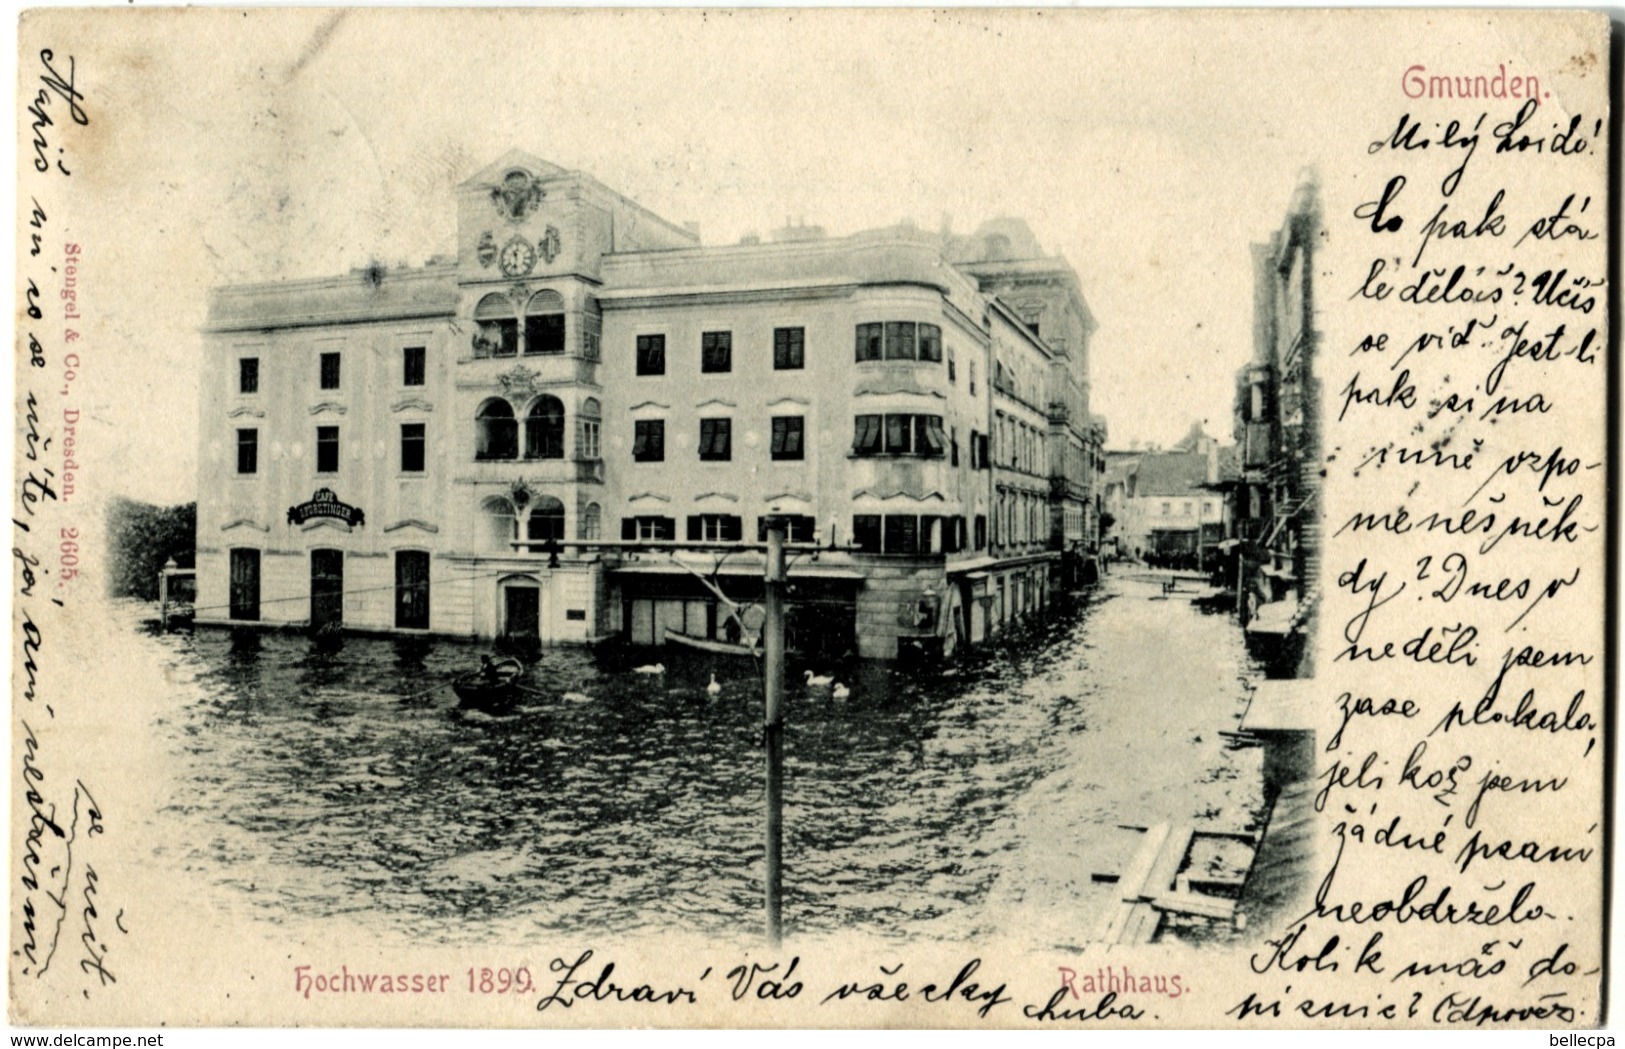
x: 521, y: 607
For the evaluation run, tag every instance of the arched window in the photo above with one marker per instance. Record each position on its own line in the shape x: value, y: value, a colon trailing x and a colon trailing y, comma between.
x: 496, y: 329
x: 501, y: 526
x: 546, y: 521
x: 496, y: 431
x: 544, y: 323
x: 591, y: 522
x: 544, y: 429
x: 587, y: 446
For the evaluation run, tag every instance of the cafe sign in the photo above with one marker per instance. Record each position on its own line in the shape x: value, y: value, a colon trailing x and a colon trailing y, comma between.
x: 323, y: 503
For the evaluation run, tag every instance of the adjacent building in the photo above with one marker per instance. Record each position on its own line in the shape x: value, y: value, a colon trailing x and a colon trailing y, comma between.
x: 498, y: 443
x: 1170, y: 508
x: 1277, y: 430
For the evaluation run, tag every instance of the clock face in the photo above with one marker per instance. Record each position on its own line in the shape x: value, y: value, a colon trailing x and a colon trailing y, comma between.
x: 517, y: 257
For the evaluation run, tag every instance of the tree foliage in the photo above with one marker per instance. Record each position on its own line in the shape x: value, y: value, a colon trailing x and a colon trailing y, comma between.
x: 141, y: 537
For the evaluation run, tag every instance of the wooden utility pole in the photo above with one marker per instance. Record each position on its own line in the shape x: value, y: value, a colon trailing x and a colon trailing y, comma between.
x: 773, y: 721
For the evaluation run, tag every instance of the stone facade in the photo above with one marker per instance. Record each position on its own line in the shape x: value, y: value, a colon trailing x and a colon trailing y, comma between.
x: 498, y: 443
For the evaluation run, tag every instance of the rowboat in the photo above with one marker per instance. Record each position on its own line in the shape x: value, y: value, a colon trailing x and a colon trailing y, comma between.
x: 491, y: 689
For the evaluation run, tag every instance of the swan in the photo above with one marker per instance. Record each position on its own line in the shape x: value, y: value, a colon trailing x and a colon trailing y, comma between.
x: 650, y: 668
x: 713, y: 687
x: 840, y: 691
x: 815, y: 681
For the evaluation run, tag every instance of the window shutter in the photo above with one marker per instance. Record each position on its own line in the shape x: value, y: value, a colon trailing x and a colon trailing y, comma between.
x: 696, y: 527
x: 629, y: 528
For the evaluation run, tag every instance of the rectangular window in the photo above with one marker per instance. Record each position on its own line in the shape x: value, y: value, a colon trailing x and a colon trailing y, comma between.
x: 902, y: 534
x: 931, y: 345
x: 900, y: 341
x: 413, y: 365
x: 951, y: 373
x: 651, y: 355
x: 716, y: 440
x: 929, y: 440
x: 798, y: 528
x: 973, y: 377
x: 866, y: 435
x: 983, y: 461
x: 869, y: 341
x: 787, y: 436
x: 714, y: 528
x: 248, y: 375
x: 981, y: 532
x: 589, y: 438
x: 789, y: 348
x: 413, y: 442
x: 953, y: 446
x: 658, y: 529
x: 544, y: 333
x: 248, y: 451
x: 866, y: 532
x: 327, y: 449
x: 899, y: 433
x: 649, y: 440
x: 717, y: 352
x: 330, y: 371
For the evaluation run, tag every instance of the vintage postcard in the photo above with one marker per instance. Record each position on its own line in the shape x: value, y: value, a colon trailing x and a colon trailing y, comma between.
x: 811, y: 519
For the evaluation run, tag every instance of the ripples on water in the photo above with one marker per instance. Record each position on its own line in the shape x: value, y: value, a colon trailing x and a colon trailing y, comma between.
x: 320, y: 780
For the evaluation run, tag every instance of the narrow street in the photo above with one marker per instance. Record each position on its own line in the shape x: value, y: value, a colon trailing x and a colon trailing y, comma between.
x: 978, y: 801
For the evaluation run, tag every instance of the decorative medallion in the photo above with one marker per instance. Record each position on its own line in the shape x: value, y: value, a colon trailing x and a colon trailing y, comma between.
x: 549, y: 245
x: 323, y: 503
x: 519, y: 381
x: 487, y: 250
x: 517, y: 196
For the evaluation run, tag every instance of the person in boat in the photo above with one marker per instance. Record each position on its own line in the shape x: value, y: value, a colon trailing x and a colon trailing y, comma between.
x: 488, y: 672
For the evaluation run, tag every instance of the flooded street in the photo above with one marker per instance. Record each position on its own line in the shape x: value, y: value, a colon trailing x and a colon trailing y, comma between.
x: 951, y: 804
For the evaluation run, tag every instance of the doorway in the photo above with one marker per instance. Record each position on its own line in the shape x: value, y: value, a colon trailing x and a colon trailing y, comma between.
x: 326, y: 588
x: 522, y: 615
x: 412, y: 589
x: 245, y: 584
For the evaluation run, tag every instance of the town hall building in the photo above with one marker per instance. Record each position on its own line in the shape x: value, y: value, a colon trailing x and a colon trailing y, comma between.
x: 499, y: 443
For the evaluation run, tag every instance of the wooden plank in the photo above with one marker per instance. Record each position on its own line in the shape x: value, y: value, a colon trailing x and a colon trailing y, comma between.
x: 1229, y: 835
x: 1194, y: 903
x: 1144, y: 921
x: 1139, y: 868
x: 1170, y: 858
x: 1112, y: 921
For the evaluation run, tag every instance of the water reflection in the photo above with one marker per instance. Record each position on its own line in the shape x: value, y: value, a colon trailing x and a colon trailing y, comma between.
x: 340, y: 776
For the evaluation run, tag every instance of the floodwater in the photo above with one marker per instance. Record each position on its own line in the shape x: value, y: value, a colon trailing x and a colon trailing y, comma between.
x: 978, y: 800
